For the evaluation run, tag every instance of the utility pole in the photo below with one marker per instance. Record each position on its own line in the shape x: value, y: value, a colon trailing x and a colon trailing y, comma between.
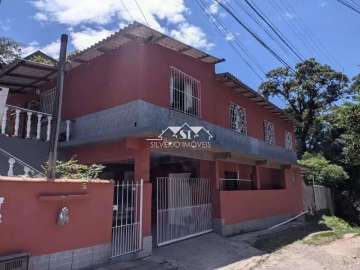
x: 56, y: 114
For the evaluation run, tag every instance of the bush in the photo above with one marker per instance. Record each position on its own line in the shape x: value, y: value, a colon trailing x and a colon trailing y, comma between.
x: 73, y: 170
x: 319, y: 169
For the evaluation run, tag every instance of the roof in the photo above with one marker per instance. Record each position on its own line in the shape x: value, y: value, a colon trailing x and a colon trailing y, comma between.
x: 43, y: 56
x: 230, y: 80
x: 23, y: 75
x: 140, y: 32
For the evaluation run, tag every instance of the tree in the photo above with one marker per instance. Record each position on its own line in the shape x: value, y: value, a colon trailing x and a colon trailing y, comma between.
x: 308, y: 92
x: 9, y: 51
x: 321, y: 171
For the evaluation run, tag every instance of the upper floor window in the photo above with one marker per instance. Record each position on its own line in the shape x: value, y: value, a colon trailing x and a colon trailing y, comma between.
x: 269, y: 132
x: 288, y: 140
x: 238, y: 118
x: 184, y: 92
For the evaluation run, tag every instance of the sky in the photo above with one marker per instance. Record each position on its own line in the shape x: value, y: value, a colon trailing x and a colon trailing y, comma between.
x: 322, y: 29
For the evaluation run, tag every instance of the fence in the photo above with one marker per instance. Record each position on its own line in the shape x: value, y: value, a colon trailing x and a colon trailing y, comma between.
x: 317, y: 198
x: 127, y: 218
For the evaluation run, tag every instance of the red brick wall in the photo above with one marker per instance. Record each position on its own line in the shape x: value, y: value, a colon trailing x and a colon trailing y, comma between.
x: 29, y: 224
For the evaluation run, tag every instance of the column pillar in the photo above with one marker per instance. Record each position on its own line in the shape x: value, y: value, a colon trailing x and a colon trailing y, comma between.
x: 141, y: 154
x: 257, y: 176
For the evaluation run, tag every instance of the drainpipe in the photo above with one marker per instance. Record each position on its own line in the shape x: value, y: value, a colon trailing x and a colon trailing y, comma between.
x: 56, y: 115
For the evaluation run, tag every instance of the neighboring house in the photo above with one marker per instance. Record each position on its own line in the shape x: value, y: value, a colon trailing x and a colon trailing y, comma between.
x: 124, y: 94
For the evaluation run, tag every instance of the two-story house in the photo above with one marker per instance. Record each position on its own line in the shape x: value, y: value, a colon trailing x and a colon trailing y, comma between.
x: 234, y: 171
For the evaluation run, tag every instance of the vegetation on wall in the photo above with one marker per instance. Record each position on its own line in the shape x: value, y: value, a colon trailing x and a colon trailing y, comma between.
x: 72, y: 169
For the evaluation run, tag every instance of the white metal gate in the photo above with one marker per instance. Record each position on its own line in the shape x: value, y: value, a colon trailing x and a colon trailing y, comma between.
x: 183, y: 208
x: 127, y: 218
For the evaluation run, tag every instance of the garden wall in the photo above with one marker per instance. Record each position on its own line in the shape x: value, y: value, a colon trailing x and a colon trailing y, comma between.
x: 29, y: 215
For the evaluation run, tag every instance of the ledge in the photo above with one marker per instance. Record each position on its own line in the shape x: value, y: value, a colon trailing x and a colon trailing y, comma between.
x: 56, y: 181
x: 62, y: 197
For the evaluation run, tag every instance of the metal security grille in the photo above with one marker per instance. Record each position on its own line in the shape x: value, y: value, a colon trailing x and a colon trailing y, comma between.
x: 47, y: 99
x: 184, y: 92
x: 238, y: 118
x: 183, y: 208
x: 127, y: 218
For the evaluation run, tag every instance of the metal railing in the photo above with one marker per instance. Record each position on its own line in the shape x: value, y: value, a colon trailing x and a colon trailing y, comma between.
x: 127, y: 218
x: 29, y: 171
x: 236, y: 184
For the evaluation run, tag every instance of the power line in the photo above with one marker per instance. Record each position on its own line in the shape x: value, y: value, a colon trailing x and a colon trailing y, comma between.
x: 254, y: 35
x: 353, y: 6
x: 127, y: 10
x: 270, y: 34
x: 222, y: 29
x: 275, y: 30
x: 142, y: 13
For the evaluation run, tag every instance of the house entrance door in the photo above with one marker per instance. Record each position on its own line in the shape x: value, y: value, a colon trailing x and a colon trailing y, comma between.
x: 183, y: 206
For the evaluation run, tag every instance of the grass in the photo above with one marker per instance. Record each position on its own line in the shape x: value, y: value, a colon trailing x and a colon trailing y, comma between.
x: 315, y: 232
x: 338, y: 228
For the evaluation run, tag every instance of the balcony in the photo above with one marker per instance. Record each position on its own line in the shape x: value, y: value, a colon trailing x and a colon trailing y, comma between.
x: 142, y: 119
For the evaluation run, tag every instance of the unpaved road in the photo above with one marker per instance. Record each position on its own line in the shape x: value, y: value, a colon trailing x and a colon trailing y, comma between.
x: 342, y: 254
x: 212, y: 251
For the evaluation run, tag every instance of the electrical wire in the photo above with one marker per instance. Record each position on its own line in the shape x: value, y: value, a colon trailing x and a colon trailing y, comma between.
x: 275, y: 30
x: 254, y: 35
x: 142, y: 13
x: 234, y: 43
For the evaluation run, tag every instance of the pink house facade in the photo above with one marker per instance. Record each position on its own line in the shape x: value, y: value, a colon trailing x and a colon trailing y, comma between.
x: 123, y: 92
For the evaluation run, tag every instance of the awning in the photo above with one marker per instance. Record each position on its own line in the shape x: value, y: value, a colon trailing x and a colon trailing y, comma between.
x: 24, y: 75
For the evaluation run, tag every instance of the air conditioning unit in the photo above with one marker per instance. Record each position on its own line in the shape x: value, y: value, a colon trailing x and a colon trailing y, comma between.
x: 18, y: 261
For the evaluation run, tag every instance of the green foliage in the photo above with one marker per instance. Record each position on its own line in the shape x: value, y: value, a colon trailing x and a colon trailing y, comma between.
x: 9, y: 50
x: 308, y: 92
x: 338, y: 225
x: 71, y: 169
x: 322, y: 171
x: 338, y: 228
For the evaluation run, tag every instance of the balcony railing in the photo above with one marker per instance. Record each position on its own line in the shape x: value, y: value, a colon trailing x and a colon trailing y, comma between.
x: 236, y: 184
x: 21, y: 122
x: 29, y: 124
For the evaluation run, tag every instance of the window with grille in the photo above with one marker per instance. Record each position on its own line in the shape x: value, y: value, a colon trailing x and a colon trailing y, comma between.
x: 238, y: 118
x: 288, y: 140
x: 47, y: 99
x: 269, y: 132
x: 184, y: 92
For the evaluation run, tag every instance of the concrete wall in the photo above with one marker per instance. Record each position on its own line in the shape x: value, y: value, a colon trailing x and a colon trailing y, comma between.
x: 322, y: 200
x: 29, y: 221
x: 242, y: 211
x: 129, y: 73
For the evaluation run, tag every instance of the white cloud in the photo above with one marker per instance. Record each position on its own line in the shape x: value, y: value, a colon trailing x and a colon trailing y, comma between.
x: 41, y: 17
x: 51, y: 49
x: 5, y: 25
x: 192, y: 35
x: 84, y: 39
x: 161, y: 15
